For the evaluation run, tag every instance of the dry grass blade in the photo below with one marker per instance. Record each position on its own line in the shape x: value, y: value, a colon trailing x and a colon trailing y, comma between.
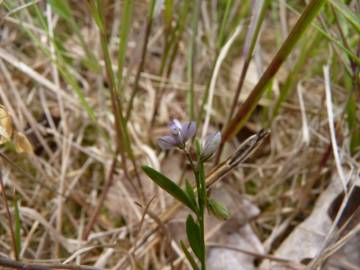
x: 223, y: 52
x: 10, y: 264
x: 10, y: 220
x: 79, y: 83
x: 334, y: 144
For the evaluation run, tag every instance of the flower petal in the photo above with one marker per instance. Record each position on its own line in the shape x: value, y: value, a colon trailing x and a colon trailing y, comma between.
x: 188, y: 130
x: 210, y: 145
x: 175, y: 127
x: 167, y: 142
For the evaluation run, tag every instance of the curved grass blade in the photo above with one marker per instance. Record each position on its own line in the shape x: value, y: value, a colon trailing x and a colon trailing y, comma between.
x: 347, y: 13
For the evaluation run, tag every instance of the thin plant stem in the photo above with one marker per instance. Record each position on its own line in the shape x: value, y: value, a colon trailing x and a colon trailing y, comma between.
x: 249, y: 46
x: 102, y: 198
x: 142, y: 61
x: 201, y: 218
x: 125, y: 27
x: 8, y: 263
x: 201, y: 195
x: 9, y: 218
x: 191, y: 58
x: 123, y: 140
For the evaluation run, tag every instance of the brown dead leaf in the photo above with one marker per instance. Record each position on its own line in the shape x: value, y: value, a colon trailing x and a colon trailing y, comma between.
x: 6, y: 126
x: 22, y: 144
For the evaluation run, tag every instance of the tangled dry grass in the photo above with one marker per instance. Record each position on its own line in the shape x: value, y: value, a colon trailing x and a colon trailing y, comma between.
x: 81, y: 202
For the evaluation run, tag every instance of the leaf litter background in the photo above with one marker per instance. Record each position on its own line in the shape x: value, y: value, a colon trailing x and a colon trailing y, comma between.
x: 284, y: 202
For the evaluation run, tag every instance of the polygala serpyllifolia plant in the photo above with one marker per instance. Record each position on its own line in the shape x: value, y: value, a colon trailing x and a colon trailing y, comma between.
x: 195, y: 199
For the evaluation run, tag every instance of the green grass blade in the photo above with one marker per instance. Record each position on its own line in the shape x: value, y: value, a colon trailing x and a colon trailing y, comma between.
x: 142, y: 61
x: 250, y: 41
x: 191, y: 59
x: 294, y: 74
x: 243, y: 114
x: 168, y: 13
x: 125, y: 27
x: 331, y: 38
x: 62, y: 67
x: 221, y: 38
x: 347, y: 13
x: 17, y: 224
x: 62, y: 8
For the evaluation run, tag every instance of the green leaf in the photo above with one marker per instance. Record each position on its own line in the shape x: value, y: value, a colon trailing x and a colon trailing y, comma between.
x: 190, y: 192
x: 168, y: 13
x: 197, y: 149
x: 347, y: 13
x: 194, y: 237
x: 62, y: 8
x: 169, y: 186
x: 218, y: 209
x: 189, y: 257
x: 201, y: 172
x: 17, y: 227
x: 125, y: 27
x: 95, y: 7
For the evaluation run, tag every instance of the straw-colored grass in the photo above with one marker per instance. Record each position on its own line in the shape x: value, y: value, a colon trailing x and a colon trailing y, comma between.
x: 93, y: 84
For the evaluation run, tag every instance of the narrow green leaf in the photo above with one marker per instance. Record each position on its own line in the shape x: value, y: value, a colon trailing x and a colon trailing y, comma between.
x: 144, y: 51
x: 192, y: 58
x: 347, y: 13
x: 168, y: 13
x: 169, y: 186
x: 62, y: 8
x: 194, y: 237
x: 218, y: 209
x: 125, y: 27
x: 99, y: 20
x: 220, y: 39
x: 197, y: 149
x: 189, y: 257
x: 17, y: 227
x: 190, y: 192
x: 331, y: 38
x: 353, y: 124
x: 202, y: 193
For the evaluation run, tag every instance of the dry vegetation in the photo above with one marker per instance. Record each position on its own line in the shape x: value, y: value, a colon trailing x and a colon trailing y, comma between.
x: 79, y: 197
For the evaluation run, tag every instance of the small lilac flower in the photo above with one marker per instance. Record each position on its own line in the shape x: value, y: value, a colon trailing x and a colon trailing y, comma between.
x: 180, y: 133
x: 210, y: 145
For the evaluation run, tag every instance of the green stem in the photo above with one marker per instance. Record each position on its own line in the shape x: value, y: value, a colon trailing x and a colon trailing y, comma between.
x: 201, y: 194
x: 201, y: 218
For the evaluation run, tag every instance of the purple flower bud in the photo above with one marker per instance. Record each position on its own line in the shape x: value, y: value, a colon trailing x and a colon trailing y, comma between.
x: 179, y: 134
x: 175, y: 127
x: 188, y: 130
x: 167, y: 142
x: 210, y: 145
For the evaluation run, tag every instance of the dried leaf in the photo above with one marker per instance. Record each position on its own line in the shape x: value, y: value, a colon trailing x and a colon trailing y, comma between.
x: 22, y: 144
x: 6, y: 126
